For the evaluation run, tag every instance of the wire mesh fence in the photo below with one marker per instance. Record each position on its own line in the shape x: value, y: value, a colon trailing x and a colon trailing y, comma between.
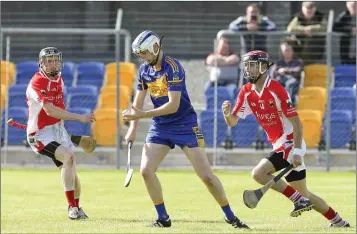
x: 188, y: 36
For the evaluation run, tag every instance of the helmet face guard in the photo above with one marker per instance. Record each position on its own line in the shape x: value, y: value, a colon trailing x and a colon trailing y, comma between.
x: 253, y: 65
x: 50, y: 61
x: 252, y: 70
x: 143, y: 44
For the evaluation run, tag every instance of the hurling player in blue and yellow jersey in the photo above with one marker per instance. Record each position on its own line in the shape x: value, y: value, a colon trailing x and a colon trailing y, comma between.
x: 174, y: 123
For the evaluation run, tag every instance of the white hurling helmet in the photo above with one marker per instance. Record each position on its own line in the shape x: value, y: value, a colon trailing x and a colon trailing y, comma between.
x: 146, y: 41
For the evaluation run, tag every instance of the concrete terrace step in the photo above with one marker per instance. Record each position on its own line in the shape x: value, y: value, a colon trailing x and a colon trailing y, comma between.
x: 225, y: 158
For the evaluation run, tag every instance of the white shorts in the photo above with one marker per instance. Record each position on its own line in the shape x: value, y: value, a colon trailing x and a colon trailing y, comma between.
x: 48, y: 134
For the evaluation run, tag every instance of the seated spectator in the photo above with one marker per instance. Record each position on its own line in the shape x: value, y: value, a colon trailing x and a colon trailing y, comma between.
x: 288, y: 70
x: 308, y: 21
x: 226, y: 71
x: 346, y: 23
x: 253, y: 22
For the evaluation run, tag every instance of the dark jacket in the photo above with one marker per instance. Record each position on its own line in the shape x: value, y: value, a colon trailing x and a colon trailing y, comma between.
x: 343, y: 24
x: 295, y: 67
x: 313, y: 47
x: 253, y: 42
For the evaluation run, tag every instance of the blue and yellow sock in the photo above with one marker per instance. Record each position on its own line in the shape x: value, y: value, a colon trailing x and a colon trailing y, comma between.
x: 161, y: 210
x: 227, y: 210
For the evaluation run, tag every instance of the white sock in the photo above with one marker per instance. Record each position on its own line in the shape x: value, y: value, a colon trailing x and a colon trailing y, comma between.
x: 296, y: 197
x: 337, y: 220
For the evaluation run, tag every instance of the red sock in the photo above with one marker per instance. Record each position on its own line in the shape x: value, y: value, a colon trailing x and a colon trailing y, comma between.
x: 77, y: 201
x: 292, y: 194
x: 332, y: 216
x: 70, y: 198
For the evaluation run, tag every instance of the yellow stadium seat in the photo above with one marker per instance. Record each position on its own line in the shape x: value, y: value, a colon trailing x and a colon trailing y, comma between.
x: 313, y: 91
x: 125, y: 95
x: 311, y: 121
x: 111, y: 112
x: 129, y: 68
x: 112, y: 89
x: 12, y: 71
x: 308, y: 103
x: 2, y: 102
x: 125, y: 79
x: 315, y: 75
x: 109, y: 101
x: 107, y: 112
x: 4, y: 90
x: 312, y: 98
x: 127, y: 74
x: 104, y: 128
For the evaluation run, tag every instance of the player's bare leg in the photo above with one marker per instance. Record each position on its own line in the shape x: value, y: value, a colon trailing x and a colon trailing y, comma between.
x: 320, y: 205
x: 77, y: 189
x: 67, y: 173
x: 262, y: 173
x: 152, y: 156
x: 199, y: 161
x: 77, y: 195
x: 88, y: 144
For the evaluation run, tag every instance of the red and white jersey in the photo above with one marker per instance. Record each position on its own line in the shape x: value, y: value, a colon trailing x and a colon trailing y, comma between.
x: 272, y: 107
x: 40, y: 91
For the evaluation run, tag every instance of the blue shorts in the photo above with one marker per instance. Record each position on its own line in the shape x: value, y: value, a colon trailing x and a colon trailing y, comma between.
x: 188, y: 136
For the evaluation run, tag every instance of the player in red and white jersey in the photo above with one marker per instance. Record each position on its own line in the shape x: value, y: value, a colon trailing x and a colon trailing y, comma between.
x: 45, y: 130
x: 273, y: 109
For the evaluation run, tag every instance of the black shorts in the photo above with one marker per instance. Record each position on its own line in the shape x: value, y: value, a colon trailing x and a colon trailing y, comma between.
x: 50, y: 150
x: 278, y: 161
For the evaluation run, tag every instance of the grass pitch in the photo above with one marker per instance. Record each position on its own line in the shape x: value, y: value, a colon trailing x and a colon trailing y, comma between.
x: 33, y: 201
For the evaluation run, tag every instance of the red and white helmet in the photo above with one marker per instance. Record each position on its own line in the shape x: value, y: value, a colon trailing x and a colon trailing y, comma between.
x: 255, y: 59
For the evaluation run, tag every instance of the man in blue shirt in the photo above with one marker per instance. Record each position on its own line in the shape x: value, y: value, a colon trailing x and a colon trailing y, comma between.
x: 253, y: 21
x: 174, y: 123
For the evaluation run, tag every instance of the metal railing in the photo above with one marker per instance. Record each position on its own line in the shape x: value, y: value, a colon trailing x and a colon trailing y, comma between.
x: 75, y: 31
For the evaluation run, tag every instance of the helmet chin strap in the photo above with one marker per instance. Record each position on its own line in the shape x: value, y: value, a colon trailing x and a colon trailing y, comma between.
x: 260, y: 75
x: 256, y: 80
x: 52, y: 74
x: 154, y: 62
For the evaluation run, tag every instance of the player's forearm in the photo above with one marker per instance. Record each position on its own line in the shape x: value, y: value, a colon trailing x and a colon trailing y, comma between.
x: 232, y: 60
x: 322, y: 27
x: 56, y: 112
x: 217, y: 59
x: 298, y: 133
x: 231, y: 120
x: 140, y: 105
x: 294, y: 26
x: 166, y: 109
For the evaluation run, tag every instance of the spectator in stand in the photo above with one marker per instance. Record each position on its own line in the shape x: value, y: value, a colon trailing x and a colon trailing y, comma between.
x: 309, y: 21
x: 226, y: 72
x: 346, y: 23
x: 288, y: 70
x: 253, y: 21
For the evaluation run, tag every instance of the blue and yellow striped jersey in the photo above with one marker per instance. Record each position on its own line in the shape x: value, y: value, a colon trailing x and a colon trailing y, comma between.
x: 170, y: 77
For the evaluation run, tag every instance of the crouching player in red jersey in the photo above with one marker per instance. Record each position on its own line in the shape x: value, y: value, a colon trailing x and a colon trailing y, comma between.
x: 174, y: 123
x: 45, y: 129
x: 272, y: 107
